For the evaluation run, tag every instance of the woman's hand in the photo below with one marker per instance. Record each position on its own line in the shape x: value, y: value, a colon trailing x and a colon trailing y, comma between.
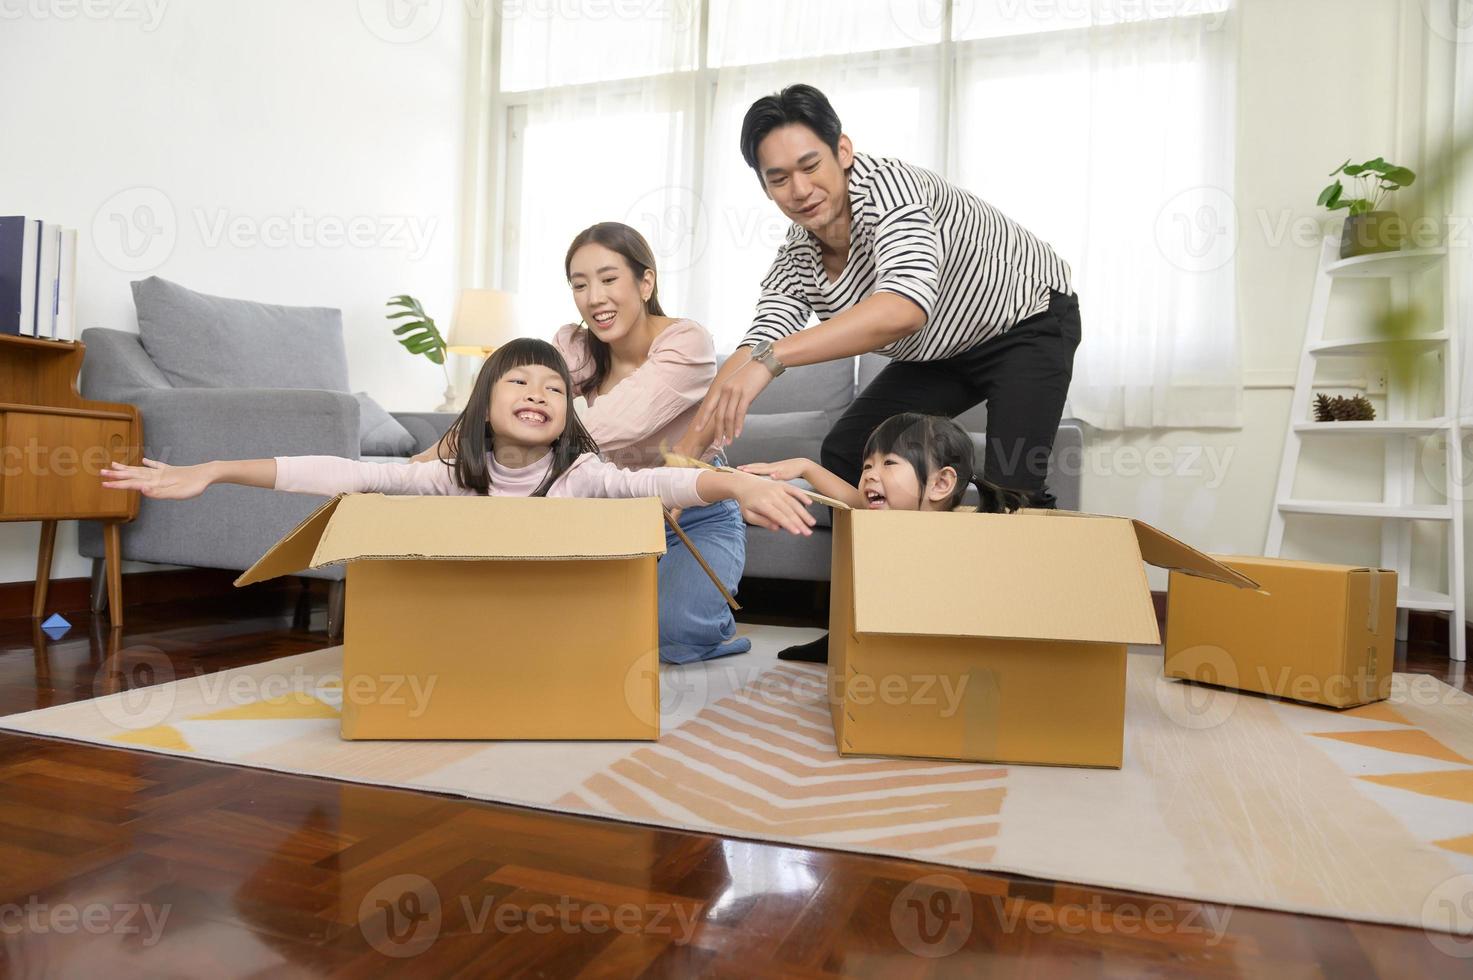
x: 784, y: 469
x: 159, y: 481
x: 775, y: 506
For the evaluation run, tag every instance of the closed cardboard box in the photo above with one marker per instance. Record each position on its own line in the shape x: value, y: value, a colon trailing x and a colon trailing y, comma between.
x: 992, y: 637
x: 1313, y: 632
x: 490, y: 617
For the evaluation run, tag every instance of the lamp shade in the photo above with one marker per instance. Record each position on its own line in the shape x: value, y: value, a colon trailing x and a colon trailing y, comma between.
x: 484, y: 320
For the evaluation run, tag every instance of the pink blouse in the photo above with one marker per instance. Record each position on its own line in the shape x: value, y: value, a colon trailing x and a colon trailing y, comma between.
x: 589, y: 476
x: 655, y: 404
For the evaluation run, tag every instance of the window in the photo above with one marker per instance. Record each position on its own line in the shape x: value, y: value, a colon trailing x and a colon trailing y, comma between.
x: 1087, y: 121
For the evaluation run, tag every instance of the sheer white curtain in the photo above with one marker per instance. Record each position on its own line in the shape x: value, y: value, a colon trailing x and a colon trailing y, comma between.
x: 1108, y: 132
x: 1105, y: 126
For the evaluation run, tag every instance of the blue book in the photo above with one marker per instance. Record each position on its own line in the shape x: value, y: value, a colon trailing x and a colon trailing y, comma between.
x: 20, y: 240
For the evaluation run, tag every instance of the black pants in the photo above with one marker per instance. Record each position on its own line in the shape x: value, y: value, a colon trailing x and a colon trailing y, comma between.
x: 1022, y: 375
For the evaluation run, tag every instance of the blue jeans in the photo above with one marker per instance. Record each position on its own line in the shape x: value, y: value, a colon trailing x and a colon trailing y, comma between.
x: 695, y: 621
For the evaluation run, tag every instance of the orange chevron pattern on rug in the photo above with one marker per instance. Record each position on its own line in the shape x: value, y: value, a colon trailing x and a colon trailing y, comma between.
x: 1447, y: 784
x: 1409, y: 742
x: 762, y: 761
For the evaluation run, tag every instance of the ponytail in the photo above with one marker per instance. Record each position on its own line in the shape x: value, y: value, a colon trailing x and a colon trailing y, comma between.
x: 993, y: 499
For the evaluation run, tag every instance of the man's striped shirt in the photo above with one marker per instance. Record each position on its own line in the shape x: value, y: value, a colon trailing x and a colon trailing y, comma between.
x: 973, y: 271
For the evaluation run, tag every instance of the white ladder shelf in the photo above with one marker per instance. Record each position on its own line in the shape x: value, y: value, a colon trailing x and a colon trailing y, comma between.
x: 1400, y: 428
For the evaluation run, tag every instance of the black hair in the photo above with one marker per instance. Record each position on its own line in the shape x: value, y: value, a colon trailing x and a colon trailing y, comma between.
x: 471, y: 433
x: 629, y: 243
x: 799, y: 103
x: 930, y: 443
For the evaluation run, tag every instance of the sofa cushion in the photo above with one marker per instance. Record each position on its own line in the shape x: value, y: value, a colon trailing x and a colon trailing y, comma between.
x: 769, y: 438
x: 379, y: 433
x: 827, y: 387
x: 203, y: 341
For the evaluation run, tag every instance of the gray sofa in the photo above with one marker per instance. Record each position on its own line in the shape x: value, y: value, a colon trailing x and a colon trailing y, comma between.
x: 231, y: 379
x: 229, y: 527
x: 791, y: 417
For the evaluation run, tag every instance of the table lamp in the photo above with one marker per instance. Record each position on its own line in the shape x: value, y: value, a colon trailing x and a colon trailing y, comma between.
x: 484, y: 320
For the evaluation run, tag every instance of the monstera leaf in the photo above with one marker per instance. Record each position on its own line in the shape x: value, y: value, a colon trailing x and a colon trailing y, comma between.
x: 418, y: 332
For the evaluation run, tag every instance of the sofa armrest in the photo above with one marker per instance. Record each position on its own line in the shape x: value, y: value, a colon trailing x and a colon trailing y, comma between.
x: 193, y: 425
x: 426, y: 427
x: 116, y: 362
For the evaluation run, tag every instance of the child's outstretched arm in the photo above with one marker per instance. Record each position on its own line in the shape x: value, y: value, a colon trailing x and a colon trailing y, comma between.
x: 818, y: 478
x: 775, y: 506
x: 160, y: 481
x: 320, y: 475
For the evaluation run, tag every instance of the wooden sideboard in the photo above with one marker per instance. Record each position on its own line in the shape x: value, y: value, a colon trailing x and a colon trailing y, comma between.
x: 55, y: 446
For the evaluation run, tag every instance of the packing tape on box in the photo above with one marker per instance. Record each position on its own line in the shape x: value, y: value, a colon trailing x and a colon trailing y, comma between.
x: 1373, y: 617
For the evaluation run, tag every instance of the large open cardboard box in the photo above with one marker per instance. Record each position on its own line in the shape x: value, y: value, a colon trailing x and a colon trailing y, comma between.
x: 490, y: 617
x: 1316, y: 632
x: 992, y: 637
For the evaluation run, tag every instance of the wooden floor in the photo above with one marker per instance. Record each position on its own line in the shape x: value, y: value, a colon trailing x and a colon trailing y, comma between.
x: 116, y: 863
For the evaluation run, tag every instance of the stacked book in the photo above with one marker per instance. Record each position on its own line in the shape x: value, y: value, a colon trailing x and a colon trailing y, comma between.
x: 38, y: 279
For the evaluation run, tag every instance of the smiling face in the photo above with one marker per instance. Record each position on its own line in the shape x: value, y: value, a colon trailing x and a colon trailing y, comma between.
x: 610, y: 297
x: 804, y: 177
x: 889, y: 482
x: 529, y: 407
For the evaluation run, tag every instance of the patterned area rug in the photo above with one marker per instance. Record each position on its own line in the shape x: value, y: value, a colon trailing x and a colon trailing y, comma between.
x: 1237, y: 799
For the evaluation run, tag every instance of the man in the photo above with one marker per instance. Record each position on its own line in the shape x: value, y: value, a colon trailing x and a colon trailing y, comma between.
x: 969, y: 305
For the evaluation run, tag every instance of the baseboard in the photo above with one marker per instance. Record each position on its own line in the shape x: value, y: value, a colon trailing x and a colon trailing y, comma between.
x: 67, y: 595
x: 1422, y: 626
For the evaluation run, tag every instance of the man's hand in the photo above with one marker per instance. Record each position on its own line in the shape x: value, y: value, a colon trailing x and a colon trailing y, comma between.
x: 729, y: 399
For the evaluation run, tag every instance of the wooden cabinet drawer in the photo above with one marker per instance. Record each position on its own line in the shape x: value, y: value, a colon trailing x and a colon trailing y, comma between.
x: 51, y: 465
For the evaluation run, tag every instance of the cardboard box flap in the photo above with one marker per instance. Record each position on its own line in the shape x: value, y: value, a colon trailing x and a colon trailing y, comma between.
x: 1254, y: 562
x: 1022, y: 576
x: 375, y: 526
x: 372, y: 525
x: 295, y: 550
x: 1162, y: 550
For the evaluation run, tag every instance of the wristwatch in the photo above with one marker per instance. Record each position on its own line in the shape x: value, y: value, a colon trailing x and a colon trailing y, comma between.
x: 763, y: 354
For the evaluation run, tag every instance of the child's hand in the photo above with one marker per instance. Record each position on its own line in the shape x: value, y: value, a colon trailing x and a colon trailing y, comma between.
x: 775, y: 506
x: 158, y: 481
x: 786, y: 469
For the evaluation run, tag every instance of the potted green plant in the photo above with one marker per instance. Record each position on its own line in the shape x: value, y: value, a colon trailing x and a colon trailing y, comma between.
x: 1368, y: 229
x: 419, y: 335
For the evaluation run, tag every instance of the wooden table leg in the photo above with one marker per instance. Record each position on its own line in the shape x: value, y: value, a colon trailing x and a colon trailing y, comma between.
x: 43, y: 569
x: 112, y: 550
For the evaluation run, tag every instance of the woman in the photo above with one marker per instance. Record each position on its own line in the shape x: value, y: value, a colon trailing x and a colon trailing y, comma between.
x: 643, y: 375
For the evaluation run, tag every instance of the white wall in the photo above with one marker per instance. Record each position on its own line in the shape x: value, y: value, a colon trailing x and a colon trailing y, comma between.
x: 287, y: 124
x: 1317, y: 83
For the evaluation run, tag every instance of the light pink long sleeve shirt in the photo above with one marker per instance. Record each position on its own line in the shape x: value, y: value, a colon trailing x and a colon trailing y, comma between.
x: 655, y: 404
x: 589, y: 476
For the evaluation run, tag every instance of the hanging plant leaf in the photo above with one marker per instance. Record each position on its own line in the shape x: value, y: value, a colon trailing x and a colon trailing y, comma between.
x: 419, y: 335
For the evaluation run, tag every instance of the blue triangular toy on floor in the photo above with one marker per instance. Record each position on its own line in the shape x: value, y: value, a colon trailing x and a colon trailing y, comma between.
x: 55, y: 626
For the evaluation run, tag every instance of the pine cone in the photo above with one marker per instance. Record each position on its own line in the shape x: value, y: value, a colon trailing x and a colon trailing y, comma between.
x: 1322, y: 409
x: 1342, y: 409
